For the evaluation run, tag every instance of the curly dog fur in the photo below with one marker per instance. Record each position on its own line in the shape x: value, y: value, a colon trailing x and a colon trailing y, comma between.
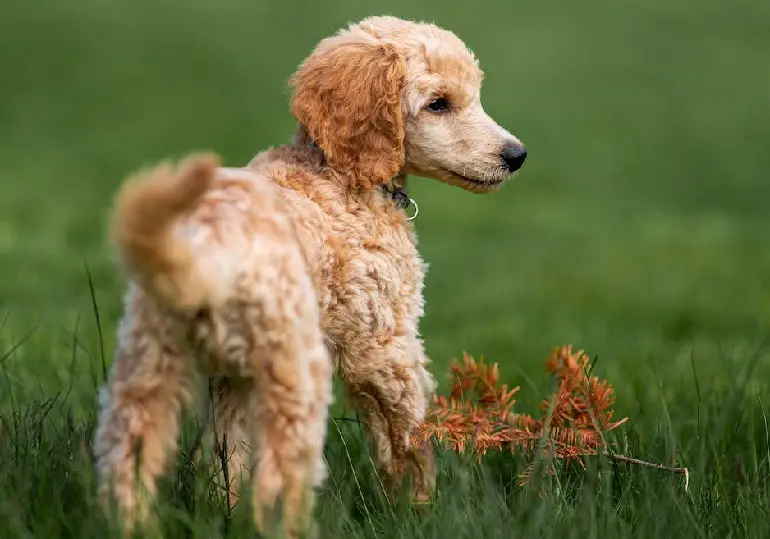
x: 267, y: 278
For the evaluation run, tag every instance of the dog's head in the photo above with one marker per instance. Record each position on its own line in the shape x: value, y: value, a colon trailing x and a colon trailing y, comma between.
x: 386, y: 96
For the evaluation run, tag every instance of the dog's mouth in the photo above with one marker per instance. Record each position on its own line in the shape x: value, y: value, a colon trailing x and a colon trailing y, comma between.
x: 477, y: 185
x: 485, y: 181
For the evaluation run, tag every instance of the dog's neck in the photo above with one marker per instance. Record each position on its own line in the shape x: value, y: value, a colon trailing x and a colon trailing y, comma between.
x: 395, y: 189
x: 301, y: 139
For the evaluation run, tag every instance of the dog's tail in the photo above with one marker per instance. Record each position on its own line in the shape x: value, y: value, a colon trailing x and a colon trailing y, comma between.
x: 143, y: 229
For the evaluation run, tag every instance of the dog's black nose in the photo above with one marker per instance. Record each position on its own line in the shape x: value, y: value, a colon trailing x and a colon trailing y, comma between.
x: 513, y: 156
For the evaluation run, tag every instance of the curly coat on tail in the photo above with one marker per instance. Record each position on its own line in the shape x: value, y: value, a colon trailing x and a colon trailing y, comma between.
x: 147, y: 210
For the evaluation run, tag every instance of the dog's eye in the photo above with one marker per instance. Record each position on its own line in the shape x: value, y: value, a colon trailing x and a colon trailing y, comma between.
x: 438, y: 105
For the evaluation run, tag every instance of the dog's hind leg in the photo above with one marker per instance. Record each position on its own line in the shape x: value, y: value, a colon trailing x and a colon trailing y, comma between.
x: 274, y: 415
x: 293, y: 385
x: 290, y: 428
x: 276, y: 426
x: 139, y: 419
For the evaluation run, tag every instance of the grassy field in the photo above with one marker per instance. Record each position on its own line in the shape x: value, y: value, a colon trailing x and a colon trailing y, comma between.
x: 638, y: 230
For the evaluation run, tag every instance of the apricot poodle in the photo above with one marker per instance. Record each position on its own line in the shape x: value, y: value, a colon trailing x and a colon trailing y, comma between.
x: 267, y: 278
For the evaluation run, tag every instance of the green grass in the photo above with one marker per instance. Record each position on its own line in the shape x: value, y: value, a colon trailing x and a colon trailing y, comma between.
x: 637, y: 230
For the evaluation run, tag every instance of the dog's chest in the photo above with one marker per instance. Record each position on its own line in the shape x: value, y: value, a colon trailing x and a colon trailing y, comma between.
x: 371, y: 286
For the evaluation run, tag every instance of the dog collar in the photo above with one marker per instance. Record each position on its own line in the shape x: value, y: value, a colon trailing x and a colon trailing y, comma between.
x: 395, y: 189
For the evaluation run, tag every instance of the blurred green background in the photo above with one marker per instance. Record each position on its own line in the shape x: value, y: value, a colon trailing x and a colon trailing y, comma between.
x: 638, y: 228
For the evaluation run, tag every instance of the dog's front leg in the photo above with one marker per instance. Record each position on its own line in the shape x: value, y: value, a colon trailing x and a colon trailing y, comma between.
x: 390, y: 386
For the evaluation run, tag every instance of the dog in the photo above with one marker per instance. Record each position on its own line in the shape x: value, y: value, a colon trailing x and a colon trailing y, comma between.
x: 269, y: 278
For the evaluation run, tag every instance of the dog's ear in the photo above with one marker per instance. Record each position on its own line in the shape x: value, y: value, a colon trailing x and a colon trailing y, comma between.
x: 347, y: 97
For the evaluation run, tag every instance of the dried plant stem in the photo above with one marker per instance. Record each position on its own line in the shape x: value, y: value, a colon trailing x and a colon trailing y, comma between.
x: 477, y: 414
x: 682, y: 471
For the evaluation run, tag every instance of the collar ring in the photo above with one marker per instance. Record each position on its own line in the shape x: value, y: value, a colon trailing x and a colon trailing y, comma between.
x: 416, y: 210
